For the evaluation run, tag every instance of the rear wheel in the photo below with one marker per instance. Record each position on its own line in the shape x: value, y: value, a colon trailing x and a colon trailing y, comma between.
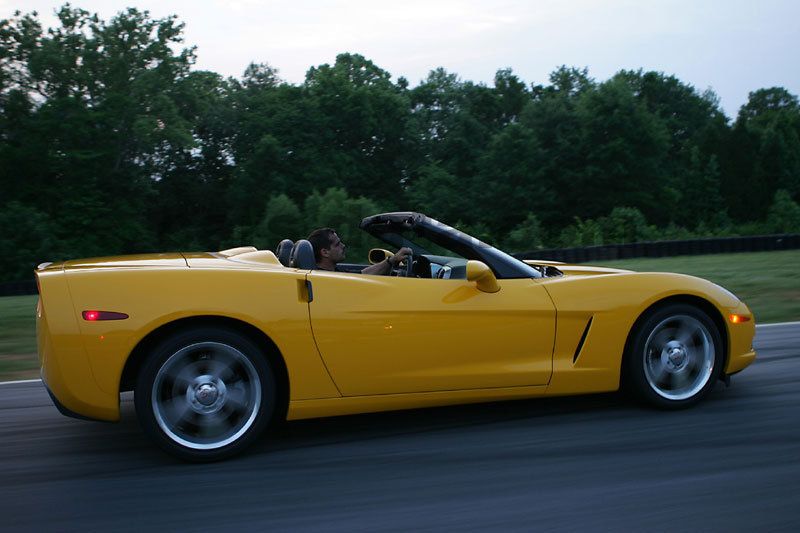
x: 675, y: 357
x: 205, y: 394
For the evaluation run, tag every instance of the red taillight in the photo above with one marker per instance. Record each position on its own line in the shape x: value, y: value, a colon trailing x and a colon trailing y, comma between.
x: 738, y: 319
x: 93, y: 316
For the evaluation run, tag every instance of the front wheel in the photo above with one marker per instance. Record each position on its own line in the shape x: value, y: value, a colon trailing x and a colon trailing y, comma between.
x: 675, y: 357
x: 205, y: 394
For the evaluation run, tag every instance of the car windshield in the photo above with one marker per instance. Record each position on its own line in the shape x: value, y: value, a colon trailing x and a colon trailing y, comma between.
x: 419, y: 244
x: 446, y: 242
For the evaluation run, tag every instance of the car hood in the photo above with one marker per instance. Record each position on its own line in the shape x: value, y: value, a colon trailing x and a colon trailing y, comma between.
x: 578, y: 270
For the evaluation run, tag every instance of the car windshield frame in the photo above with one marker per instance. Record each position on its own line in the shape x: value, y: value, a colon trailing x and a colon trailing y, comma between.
x: 389, y: 227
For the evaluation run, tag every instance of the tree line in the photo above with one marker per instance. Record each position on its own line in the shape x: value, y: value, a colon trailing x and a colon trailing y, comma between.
x: 111, y: 143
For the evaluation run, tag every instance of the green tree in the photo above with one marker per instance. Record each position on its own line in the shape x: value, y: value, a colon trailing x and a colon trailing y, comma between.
x: 784, y: 214
x: 623, y: 145
x: 702, y: 201
x: 336, y: 209
x: 282, y: 220
x: 764, y: 153
x: 509, y: 183
x: 438, y: 193
x: 624, y: 224
x: 360, y: 123
x: 26, y: 241
x: 581, y: 233
x: 528, y: 235
x: 195, y: 183
x: 99, y: 118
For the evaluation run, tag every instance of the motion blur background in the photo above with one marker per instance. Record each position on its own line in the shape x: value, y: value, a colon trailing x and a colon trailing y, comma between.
x: 531, y: 125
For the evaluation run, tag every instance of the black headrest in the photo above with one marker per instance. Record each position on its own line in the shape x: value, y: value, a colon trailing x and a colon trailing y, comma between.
x: 303, y: 255
x: 284, y: 251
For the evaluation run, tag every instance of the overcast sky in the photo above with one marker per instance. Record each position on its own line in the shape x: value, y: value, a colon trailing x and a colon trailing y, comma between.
x: 731, y: 46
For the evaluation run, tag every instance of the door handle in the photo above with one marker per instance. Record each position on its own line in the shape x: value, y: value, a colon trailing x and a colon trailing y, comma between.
x: 304, y: 291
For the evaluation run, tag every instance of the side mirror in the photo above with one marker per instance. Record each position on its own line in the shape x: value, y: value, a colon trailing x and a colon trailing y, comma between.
x: 376, y: 255
x: 483, y: 276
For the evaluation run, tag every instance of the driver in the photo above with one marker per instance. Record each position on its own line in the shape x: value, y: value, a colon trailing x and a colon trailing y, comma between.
x: 330, y: 250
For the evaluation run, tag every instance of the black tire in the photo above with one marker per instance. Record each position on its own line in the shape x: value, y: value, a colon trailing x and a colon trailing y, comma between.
x: 674, y: 357
x: 205, y: 394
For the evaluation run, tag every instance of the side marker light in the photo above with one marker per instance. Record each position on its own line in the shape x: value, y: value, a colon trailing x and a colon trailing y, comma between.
x: 93, y: 316
x: 738, y: 319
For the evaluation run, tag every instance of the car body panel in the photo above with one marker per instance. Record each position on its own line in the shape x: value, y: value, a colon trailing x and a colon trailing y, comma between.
x: 614, y: 301
x: 66, y: 369
x: 388, y: 335
x: 389, y: 402
x: 154, y: 297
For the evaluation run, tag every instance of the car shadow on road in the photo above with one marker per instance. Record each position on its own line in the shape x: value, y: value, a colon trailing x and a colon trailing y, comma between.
x: 299, y: 434
x: 325, y: 431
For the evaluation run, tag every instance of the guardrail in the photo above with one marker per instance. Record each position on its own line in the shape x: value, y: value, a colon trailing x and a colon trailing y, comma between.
x: 18, y: 288
x: 605, y: 252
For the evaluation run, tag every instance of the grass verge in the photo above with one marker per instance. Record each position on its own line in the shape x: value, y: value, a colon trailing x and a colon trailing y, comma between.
x: 18, y: 358
x: 768, y: 282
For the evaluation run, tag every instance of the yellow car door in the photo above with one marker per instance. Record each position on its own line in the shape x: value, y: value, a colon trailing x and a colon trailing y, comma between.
x: 383, y: 335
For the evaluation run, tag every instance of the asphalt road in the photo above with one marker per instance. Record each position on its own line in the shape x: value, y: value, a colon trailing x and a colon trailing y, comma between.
x: 590, y: 463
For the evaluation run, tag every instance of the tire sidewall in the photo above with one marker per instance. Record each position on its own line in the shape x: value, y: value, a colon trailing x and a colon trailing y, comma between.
x: 635, y: 359
x: 159, y: 356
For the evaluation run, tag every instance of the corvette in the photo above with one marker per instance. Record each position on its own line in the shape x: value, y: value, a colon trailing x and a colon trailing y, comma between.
x: 216, y: 346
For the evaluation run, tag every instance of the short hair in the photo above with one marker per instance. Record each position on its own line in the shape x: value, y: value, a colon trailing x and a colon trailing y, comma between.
x: 321, y: 238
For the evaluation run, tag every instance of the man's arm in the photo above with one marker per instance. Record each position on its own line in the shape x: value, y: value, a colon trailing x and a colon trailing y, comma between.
x: 385, y: 266
x: 379, y: 269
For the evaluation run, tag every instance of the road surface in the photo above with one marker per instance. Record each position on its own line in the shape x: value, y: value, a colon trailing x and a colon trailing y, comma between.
x: 589, y: 463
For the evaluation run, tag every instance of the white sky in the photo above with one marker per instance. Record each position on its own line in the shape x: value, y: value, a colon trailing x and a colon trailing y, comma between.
x: 732, y: 46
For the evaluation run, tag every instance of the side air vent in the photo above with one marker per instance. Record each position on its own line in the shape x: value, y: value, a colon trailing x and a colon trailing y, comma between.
x: 583, y: 339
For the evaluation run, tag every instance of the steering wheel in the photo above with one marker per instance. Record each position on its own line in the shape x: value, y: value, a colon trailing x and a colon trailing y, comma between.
x: 409, y: 265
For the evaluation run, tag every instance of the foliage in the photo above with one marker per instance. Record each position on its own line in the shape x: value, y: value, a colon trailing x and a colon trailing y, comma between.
x: 281, y: 218
x: 526, y: 236
x: 625, y: 224
x: 111, y: 143
x: 581, y: 233
x: 336, y: 209
x: 26, y: 240
x: 784, y: 214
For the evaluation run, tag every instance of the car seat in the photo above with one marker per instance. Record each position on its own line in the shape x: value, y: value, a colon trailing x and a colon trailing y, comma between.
x: 302, y: 256
x: 284, y: 251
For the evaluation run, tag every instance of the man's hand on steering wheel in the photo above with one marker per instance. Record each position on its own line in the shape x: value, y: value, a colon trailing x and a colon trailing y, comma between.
x: 403, y: 254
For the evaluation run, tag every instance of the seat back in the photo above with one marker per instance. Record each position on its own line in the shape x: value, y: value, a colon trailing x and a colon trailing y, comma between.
x: 302, y: 256
x: 284, y: 251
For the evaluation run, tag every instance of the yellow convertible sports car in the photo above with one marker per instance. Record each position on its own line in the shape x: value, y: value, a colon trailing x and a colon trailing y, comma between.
x: 218, y: 345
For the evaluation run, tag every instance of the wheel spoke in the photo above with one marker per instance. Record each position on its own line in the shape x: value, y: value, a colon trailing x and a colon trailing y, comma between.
x: 699, y: 359
x: 681, y: 380
x: 685, y: 332
x: 237, y: 398
x: 660, y: 339
x: 219, y: 370
x: 184, y: 375
x: 176, y: 409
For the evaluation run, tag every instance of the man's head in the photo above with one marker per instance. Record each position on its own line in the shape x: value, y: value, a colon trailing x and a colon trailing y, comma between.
x: 328, y: 247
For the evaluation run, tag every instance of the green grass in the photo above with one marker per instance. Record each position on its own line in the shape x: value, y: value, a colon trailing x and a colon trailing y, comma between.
x: 769, y: 282
x: 18, y: 338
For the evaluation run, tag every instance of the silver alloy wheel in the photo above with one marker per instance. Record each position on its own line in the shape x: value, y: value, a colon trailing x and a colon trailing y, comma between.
x: 679, y: 357
x: 206, y: 395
